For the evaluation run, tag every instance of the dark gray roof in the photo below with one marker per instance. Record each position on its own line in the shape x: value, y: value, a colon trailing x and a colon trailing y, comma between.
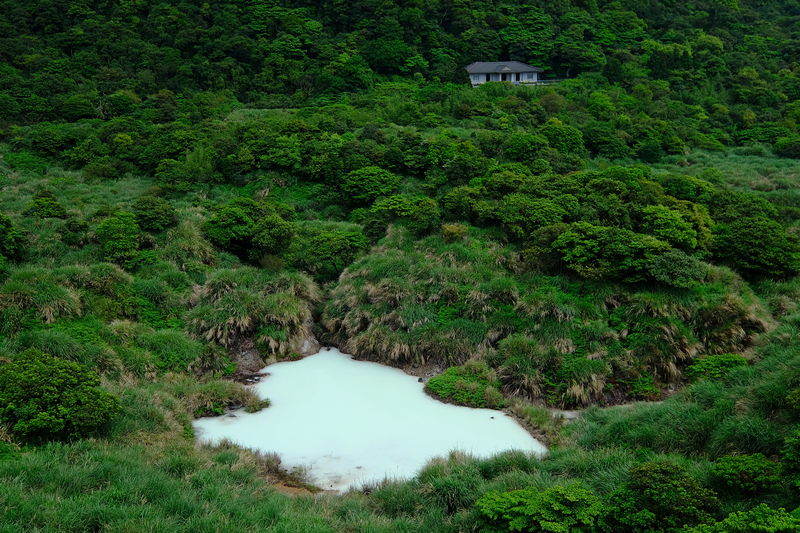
x: 491, y: 67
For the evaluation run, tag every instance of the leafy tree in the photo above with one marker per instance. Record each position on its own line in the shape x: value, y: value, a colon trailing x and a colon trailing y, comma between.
x: 559, y: 509
x: 44, y: 398
x: 529, y: 36
x: 324, y: 252
x: 596, y: 252
x: 563, y: 138
x: 757, y: 246
x: 520, y: 214
x: 251, y: 229
x: 424, y: 217
x: 271, y: 234
x: 365, y: 185
x: 660, y: 497
x: 669, y: 226
x: 574, y: 47
x: 525, y: 146
x: 231, y: 227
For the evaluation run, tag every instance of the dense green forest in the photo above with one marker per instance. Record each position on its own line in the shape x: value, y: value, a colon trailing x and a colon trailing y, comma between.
x: 189, y: 190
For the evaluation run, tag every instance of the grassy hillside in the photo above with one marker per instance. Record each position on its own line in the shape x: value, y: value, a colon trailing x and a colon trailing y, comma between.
x: 188, y: 190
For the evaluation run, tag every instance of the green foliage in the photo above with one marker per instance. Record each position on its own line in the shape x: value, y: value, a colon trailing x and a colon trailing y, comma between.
x: 44, y: 398
x: 325, y: 250
x: 232, y: 224
x: 714, y: 366
x: 788, y: 147
x: 757, y: 247
x: 791, y: 453
x: 757, y: 520
x: 153, y: 213
x: 677, y: 269
x: 424, y: 217
x: 597, y: 252
x: 520, y: 215
x: 669, y: 226
x: 660, y: 497
x: 45, y: 205
x: 251, y: 229
x: 560, y: 509
x: 472, y: 384
x: 10, y: 239
x: 365, y: 185
x: 564, y: 138
x: 119, y: 236
x: 750, y: 474
x: 643, y: 388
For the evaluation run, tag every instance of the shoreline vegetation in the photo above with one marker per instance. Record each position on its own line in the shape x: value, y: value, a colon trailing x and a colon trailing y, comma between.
x: 189, y: 191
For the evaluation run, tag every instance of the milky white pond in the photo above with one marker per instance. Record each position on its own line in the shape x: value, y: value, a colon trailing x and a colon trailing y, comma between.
x: 352, y: 421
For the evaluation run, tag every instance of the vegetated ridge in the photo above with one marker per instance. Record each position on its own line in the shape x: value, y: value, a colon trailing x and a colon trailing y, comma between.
x: 190, y: 190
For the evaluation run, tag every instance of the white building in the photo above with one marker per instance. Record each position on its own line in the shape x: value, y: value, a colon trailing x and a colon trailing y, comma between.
x: 511, y: 71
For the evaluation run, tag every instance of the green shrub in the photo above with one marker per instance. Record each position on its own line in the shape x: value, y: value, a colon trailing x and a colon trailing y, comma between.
x: 677, y: 268
x: 453, y: 232
x: 45, y: 205
x: 791, y: 453
x: 643, y: 388
x: 44, y: 398
x: 251, y: 229
x: 568, y: 508
x: 119, y: 236
x: 660, y: 497
x: 761, y: 519
x: 472, y: 384
x: 25, y: 160
x: 714, y: 366
x: 154, y: 214
x: 788, y: 147
x: 10, y: 238
x: 750, y: 474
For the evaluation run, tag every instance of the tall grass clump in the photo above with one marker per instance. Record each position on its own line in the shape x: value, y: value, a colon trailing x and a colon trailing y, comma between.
x: 236, y: 304
x: 743, y: 410
x: 170, y: 349
x: 36, y: 290
x: 548, y: 338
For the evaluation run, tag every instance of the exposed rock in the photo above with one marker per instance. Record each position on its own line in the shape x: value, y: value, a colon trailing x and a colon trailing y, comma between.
x: 305, y: 343
x: 247, y: 357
